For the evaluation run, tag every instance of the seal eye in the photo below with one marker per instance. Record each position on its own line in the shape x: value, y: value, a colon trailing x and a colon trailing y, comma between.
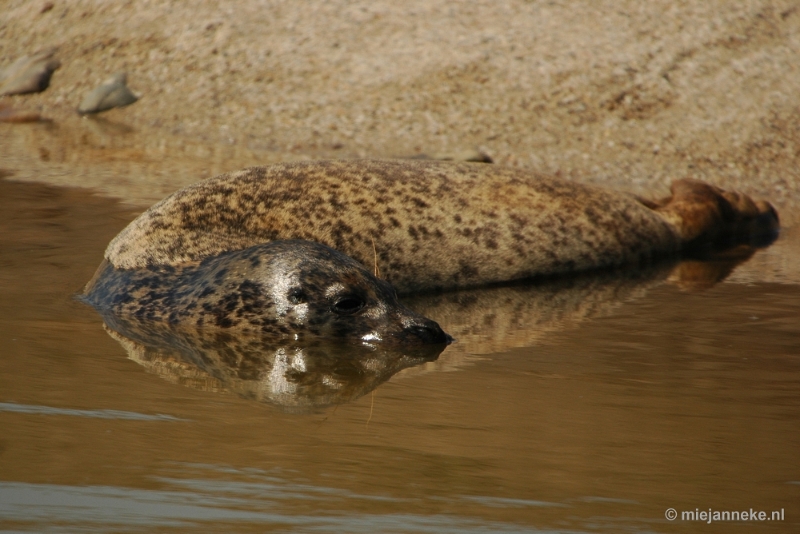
x: 348, y: 305
x: 296, y: 296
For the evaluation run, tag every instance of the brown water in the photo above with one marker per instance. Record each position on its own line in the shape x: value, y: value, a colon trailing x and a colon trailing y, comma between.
x: 591, y: 405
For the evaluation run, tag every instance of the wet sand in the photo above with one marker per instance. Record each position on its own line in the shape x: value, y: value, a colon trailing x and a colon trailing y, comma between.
x: 623, y: 93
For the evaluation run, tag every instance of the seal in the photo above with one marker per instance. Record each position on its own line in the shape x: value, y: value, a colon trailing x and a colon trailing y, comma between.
x: 282, y: 289
x: 427, y: 225
x: 435, y: 225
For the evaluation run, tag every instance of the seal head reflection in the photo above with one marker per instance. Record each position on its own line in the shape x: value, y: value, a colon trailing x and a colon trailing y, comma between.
x: 297, y: 376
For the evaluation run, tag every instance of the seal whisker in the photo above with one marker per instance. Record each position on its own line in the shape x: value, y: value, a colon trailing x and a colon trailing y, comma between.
x: 377, y: 271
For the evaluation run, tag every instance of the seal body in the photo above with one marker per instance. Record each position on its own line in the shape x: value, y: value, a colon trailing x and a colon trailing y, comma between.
x: 282, y: 289
x: 428, y: 225
x: 215, y: 254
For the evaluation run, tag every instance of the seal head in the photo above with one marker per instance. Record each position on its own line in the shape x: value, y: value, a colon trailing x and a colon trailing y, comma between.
x: 286, y: 288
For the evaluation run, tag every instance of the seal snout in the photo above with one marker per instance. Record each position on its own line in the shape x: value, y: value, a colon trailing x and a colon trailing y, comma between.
x: 424, y: 331
x: 430, y: 333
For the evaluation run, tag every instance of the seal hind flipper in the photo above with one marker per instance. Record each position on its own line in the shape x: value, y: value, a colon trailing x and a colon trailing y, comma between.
x: 709, y: 218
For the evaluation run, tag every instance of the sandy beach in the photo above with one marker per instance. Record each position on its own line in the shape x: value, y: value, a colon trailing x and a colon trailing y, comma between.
x: 628, y: 94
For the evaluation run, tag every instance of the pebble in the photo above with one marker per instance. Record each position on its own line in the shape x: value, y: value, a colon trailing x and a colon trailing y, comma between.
x: 29, y: 74
x: 113, y: 93
x: 10, y: 114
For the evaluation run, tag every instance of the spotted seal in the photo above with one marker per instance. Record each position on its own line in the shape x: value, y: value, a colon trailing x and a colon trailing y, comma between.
x: 427, y: 225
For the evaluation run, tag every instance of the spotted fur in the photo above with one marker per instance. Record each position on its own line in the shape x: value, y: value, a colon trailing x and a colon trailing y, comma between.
x: 281, y: 289
x: 213, y: 254
x: 432, y: 224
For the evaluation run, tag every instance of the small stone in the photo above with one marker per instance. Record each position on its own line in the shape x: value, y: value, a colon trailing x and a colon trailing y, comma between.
x: 10, y: 114
x: 113, y: 93
x: 29, y: 74
x: 476, y: 156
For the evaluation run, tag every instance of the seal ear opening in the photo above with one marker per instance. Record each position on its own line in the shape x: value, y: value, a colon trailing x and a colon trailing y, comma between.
x: 296, y: 296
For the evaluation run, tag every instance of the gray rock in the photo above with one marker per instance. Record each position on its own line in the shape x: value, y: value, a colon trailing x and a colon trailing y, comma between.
x: 29, y: 74
x: 113, y: 93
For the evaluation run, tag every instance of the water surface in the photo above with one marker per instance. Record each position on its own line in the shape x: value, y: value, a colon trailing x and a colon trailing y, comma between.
x: 591, y: 405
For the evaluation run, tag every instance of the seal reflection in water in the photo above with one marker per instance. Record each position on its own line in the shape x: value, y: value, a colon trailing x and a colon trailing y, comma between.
x: 191, y: 259
x: 294, y: 376
x: 314, y: 374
